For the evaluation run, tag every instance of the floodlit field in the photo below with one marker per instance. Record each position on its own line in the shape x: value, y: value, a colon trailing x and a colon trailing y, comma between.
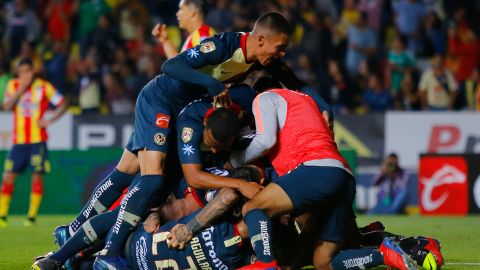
x: 460, y: 238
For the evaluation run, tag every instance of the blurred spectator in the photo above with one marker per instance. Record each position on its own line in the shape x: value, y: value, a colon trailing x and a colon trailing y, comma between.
x: 464, y: 46
x: 437, y: 86
x: 373, y: 9
x: 377, y: 98
x: 58, y: 15
x: 116, y: 95
x: 348, y: 17
x: 220, y: 17
x: 89, y: 84
x: 434, y: 39
x: 56, y: 67
x: 5, y: 76
x: 469, y: 92
x: 409, y: 15
x: 104, y: 38
x: 399, y: 64
x: 408, y: 98
x: 393, y: 182
x: 22, y: 25
x: 89, y: 13
x: 328, y: 8
x: 341, y: 91
x: 361, y: 45
x: 306, y: 70
x: 27, y: 51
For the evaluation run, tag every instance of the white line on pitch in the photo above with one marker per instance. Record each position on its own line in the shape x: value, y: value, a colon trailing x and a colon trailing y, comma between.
x: 463, y: 263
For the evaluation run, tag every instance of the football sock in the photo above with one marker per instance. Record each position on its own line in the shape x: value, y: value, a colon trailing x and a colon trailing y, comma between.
x: 104, y: 195
x: 91, y: 230
x: 356, y: 259
x: 132, y: 208
x: 260, y: 231
x: 5, y: 197
x: 35, y: 199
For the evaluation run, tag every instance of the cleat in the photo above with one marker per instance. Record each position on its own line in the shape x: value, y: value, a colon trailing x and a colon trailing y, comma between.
x: 110, y: 263
x: 261, y: 266
x: 394, y: 256
x: 3, y: 222
x: 46, y: 263
x: 29, y: 222
x: 434, y: 247
x: 372, y: 227
x: 61, y: 235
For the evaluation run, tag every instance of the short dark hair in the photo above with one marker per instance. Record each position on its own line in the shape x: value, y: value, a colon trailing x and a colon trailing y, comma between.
x: 265, y: 83
x: 25, y: 61
x: 224, y: 124
x: 201, y: 5
x: 247, y: 173
x: 275, y: 22
x: 393, y: 155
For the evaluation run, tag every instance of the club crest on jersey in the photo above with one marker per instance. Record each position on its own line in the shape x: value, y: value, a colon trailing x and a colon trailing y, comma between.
x: 160, y: 138
x: 207, y: 47
x: 162, y: 120
x: 187, y: 134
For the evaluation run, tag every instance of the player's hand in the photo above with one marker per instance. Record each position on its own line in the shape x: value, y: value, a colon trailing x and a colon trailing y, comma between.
x: 44, y: 123
x: 160, y: 32
x: 250, y: 189
x: 222, y: 100
x: 179, y: 236
x: 152, y: 223
x: 26, y: 80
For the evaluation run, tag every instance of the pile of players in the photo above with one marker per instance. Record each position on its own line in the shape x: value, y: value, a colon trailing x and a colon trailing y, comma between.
x: 225, y: 213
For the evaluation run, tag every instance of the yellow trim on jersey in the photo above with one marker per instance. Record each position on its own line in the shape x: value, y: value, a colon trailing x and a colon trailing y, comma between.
x: 195, y: 38
x: 228, y: 69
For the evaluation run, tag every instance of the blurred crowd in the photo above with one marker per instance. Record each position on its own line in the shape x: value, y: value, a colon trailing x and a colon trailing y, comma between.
x: 361, y: 55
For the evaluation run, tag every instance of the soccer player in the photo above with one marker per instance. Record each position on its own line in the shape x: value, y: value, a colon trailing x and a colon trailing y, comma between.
x: 296, y: 138
x: 96, y: 228
x: 191, y: 17
x: 202, y: 70
x: 29, y: 97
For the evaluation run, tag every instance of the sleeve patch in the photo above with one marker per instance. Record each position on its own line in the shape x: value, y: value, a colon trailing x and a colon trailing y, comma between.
x: 207, y: 47
x: 187, y: 134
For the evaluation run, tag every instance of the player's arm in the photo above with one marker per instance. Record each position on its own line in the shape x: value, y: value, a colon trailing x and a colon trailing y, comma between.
x: 161, y: 34
x: 12, y: 96
x: 183, y: 67
x: 181, y: 234
x: 57, y: 100
x: 265, y: 110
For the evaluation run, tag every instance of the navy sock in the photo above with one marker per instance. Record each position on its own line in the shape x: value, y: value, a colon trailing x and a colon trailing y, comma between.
x: 91, y: 230
x: 260, y: 231
x: 133, y: 205
x: 103, y: 196
x: 357, y: 259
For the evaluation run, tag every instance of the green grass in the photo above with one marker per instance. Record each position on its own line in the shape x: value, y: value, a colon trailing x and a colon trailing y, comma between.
x: 459, y: 236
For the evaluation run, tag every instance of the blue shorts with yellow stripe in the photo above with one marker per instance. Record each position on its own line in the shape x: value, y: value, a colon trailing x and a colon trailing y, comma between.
x: 23, y: 155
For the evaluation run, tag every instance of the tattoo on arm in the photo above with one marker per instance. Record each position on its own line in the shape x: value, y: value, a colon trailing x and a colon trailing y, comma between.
x: 224, y: 200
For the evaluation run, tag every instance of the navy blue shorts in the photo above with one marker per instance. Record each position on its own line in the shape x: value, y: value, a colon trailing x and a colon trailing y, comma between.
x: 326, y: 191
x: 22, y: 155
x: 154, y: 123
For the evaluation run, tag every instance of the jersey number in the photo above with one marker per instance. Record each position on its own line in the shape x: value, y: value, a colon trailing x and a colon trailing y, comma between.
x: 168, y: 263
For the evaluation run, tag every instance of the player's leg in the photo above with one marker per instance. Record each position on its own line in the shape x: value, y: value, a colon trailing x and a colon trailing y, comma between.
x: 135, y: 202
x: 36, y: 196
x: 270, y: 201
x: 93, y: 229
x: 6, y: 196
x: 15, y: 163
x: 109, y: 189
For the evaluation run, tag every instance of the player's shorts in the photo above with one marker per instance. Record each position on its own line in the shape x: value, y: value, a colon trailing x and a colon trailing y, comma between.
x: 22, y: 155
x: 154, y: 123
x: 326, y: 191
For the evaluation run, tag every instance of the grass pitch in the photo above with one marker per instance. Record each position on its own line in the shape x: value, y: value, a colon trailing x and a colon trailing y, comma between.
x: 459, y: 236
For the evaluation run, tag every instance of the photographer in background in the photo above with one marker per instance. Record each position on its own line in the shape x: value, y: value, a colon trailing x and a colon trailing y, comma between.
x: 393, y: 181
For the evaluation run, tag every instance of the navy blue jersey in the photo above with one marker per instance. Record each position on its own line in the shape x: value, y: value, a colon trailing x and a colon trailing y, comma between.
x: 191, y: 149
x: 217, y: 247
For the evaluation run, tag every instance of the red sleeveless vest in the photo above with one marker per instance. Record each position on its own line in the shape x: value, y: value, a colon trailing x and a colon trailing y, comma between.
x: 305, y: 135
